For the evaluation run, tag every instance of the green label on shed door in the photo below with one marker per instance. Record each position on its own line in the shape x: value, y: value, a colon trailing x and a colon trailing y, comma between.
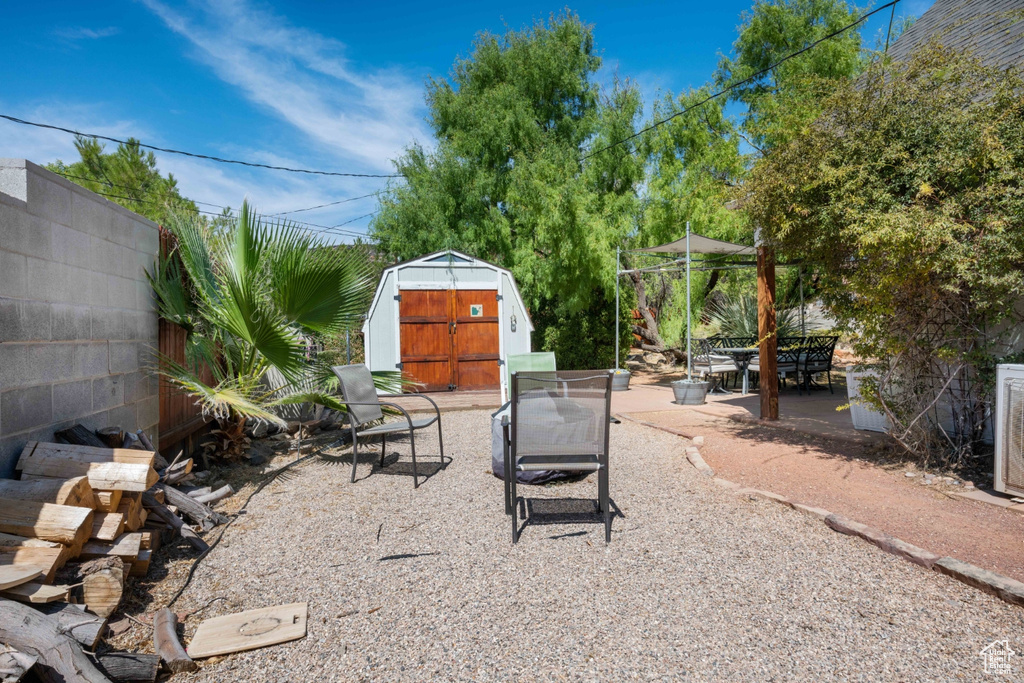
x: 476, y: 310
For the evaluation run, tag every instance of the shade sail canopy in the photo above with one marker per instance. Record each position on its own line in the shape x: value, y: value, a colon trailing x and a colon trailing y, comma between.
x: 699, y: 244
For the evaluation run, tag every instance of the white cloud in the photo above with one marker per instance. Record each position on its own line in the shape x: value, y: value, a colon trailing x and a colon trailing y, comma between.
x: 304, y: 78
x: 74, y: 33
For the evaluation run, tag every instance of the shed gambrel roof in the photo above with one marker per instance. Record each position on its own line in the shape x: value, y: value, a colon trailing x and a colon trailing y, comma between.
x: 993, y: 30
x: 455, y: 259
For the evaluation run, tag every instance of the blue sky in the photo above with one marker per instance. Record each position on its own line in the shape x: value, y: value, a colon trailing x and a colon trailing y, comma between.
x: 334, y: 86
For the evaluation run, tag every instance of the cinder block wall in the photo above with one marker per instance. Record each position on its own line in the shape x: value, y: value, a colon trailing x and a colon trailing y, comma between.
x: 78, y: 321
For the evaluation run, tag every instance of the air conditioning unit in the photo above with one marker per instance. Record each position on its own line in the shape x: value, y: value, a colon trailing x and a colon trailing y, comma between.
x: 1009, y: 460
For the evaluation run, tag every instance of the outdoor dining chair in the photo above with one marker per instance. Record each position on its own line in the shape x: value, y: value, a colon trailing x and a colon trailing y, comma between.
x: 365, y: 412
x: 788, y: 353
x: 707, y: 363
x: 558, y: 421
x: 817, y: 357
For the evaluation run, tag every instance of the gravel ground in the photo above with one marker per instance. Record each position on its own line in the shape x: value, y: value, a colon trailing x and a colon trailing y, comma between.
x: 418, y: 585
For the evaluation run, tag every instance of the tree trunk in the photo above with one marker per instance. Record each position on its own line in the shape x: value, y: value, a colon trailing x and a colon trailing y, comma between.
x: 58, y: 657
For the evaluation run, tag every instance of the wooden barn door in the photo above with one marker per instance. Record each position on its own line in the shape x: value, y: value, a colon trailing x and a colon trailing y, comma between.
x: 424, y: 316
x: 475, y: 353
x: 449, y: 338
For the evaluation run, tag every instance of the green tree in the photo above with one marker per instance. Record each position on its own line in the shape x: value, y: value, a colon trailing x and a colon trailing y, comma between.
x: 906, y: 194
x: 507, y: 183
x: 127, y: 176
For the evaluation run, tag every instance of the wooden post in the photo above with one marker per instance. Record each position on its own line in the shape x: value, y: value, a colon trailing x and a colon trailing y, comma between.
x: 766, y: 333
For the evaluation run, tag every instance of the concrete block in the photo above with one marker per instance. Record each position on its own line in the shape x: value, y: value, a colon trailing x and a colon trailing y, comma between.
x: 136, y: 264
x: 105, y: 256
x: 141, y: 326
x: 148, y: 356
x: 48, y: 280
x: 70, y: 246
x: 147, y: 238
x: 92, y: 215
x: 77, y: 293
x: 107, y: 392
x: 23, y: 409
x: 149, y: 410
x: 90, y: 360
x: 69, y: 323
x: 122, y: 231
x: 13, y: 275
x: 71, y: 399
x: 94, y: 421
x: 145, y: 298
x: 121, y: 292
x: 125, y: 417
x: 124, y: 357
x: 98, y: 289
x: 24, y: 233
x: 23, y: 320
x: 47, y: 197
x: 12, y: 178
x: 889, y: 544
x: 107, y: 323
x: 134, y: 386
x: 32, y: 363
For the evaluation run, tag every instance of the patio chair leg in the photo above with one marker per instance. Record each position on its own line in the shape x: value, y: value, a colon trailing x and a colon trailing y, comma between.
x: 829, y: 374
x: 440, y: 439
x: 602, y: 482
x: 412, y: 446
x: 355, y: 453
x: 515, y: 504
x: 506, y: 482
x: 383, y: 448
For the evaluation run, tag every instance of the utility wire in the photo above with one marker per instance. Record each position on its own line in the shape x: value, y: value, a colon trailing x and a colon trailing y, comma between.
x: 353, y: 220
x: 320, y: 206
x: 743, y: 82
x: 198, y: 156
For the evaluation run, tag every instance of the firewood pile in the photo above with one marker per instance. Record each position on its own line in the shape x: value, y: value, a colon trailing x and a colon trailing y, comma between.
x: 85, y: 515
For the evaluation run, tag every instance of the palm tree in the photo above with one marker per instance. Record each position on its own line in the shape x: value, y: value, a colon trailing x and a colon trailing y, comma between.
x: 249, y: 297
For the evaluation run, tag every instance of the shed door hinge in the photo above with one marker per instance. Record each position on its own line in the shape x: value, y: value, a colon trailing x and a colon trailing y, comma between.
x: 497, y: 297
x: 398, y: 365
x: 500, y: 362
x: 398, y: 297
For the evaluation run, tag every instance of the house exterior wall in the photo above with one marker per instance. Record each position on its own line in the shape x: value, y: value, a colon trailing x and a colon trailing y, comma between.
x: 78, y: 321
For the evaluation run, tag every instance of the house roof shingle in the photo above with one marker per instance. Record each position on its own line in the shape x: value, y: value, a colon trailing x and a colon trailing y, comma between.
x: 993, y: 30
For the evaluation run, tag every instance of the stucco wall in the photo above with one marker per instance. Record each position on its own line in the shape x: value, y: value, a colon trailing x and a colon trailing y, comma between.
x: 78, y: 322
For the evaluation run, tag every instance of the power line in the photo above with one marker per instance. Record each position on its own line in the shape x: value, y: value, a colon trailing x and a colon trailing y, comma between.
x: 320, y: 206
x: 197, y: 156
x: 743, y: 82
x: 353, y: 220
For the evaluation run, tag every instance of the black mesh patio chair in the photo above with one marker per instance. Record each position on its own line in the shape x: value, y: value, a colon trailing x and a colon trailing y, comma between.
x: 817, y: 357
x: 558, y: 421
x: 788, y: 354
x: 364, y: 408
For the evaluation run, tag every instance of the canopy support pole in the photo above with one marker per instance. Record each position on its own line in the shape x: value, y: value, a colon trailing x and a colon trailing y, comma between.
x: 689, y: 345
x: 618, y: 312
x: 803, y: 319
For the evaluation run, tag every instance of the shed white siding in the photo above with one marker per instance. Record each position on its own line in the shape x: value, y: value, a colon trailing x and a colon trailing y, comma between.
x: 444, y: 270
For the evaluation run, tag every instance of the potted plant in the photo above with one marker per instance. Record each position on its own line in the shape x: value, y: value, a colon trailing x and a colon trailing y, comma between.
x: 690, y: 392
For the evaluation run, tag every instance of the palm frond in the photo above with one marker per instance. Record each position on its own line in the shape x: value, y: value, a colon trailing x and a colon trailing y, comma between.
x: 230, y: 396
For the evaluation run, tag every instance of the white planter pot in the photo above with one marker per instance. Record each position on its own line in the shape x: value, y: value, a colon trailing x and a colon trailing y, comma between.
x: 620, y: 380
x: 864, y: 418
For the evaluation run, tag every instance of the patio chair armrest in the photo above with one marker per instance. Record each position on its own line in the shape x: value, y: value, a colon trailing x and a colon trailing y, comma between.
x: 382, y: 403
x: 432, y: 401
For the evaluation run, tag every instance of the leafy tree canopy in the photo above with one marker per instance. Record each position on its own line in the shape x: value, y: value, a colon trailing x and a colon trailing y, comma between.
x: 127, y: 176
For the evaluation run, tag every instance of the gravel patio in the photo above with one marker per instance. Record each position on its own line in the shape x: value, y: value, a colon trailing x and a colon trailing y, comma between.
x: 697, y: 583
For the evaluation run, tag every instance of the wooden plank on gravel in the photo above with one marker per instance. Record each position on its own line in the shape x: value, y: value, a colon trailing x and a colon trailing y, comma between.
x: 249, y: 630
x: 35, y: 592
x: 107, y: 526
x: 75, y: 491
x: 61, y: 523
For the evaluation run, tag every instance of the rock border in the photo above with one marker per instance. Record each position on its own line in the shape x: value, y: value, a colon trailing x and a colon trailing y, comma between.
x: 1003, y: 587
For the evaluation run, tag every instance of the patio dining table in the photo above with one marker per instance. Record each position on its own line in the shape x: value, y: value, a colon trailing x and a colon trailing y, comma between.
x: 742, y: 356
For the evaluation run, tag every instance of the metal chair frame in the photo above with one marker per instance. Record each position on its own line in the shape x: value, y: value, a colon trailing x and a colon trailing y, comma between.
x: 818, y: 355
x: 382, y: 430
x: 587, y: 462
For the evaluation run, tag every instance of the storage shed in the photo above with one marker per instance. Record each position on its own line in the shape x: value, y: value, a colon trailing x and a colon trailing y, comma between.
x: 448, y: 320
